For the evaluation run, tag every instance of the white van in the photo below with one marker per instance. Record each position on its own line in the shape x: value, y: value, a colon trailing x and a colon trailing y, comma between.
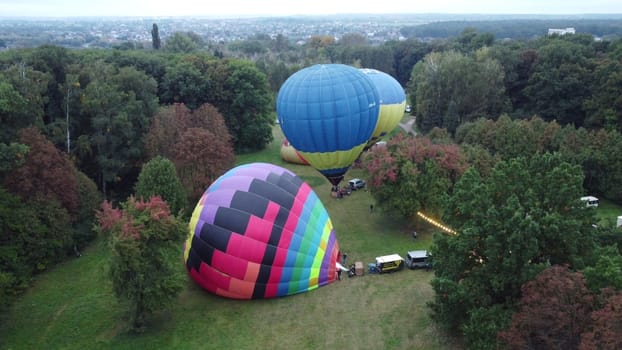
x: 590, y: 201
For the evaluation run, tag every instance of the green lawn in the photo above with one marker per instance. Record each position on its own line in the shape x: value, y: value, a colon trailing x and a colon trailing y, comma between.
x: 72, y: 306
x: 608, y: 212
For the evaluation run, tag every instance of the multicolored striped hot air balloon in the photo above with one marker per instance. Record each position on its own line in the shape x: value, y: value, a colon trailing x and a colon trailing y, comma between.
x: 259, y: 231
x: 392, y: 103
x: 328, y: 113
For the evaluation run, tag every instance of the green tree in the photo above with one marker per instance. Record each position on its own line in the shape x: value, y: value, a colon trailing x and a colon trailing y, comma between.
x: 405, y: 55
x: 450, y: 89
x: 118, y: 105
x: 90, y: 198
x: 470, y: 40
x: 11, y: 156
x: 17, y: 221
x: 159, y: 178
x: 607, y: 272
x: 180, y: 42
x: 22, y: 98
x: 52, y: 60
x: 144, y: 265
x: 524, y: 217
x: 185, y: 83
x: 12, y: 105
x: 155, y: 37
x: 242, y: 94
x: 560, y: 83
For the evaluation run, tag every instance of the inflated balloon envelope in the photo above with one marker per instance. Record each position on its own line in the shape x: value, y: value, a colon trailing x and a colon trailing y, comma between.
x: 392, y: 103
x: 328, y: 112
x: 259, y: 231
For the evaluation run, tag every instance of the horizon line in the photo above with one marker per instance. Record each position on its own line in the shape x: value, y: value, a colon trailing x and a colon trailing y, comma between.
x: 236, y: 16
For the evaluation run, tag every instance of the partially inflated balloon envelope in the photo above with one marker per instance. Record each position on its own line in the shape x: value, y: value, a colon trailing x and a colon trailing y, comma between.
x: 259, y: 231
x: 290, y: 154
x: 392, y: 103
x: 328, y: 113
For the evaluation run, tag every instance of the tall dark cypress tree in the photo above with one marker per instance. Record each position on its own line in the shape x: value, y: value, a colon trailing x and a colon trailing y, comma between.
x: 155, y: 35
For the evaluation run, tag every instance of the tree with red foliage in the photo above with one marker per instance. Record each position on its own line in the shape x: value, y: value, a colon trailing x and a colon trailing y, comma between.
x: 45, y: 173
x: 412, y: 173
x: 606, y: 331
x: 198, y: 142
x: 200, y: 157
x: 165, y: 130
x: 554, y: 310
x: 144, y: 264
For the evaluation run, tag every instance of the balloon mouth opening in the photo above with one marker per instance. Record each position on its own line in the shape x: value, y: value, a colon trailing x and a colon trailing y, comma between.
x: 335, y: 180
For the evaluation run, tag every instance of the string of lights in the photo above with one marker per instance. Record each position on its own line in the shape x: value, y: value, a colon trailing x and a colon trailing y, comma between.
x: 436, y: 223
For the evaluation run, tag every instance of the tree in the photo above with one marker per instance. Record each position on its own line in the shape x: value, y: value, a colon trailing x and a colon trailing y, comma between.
x: 524, y: 217
x: 46, y: 173
x: 450, y: 88
x: 34, y: 235
x: 52, y: 60
x: 405, y: 55
x: 22, y: 99
x: 559, y: 85
x: 607, y: 272
x: 242, y: 94
x: 90, y: 198
x: 470, y: 41
x: 158, y: 178
x: 181, y: 42
x: 144, y: 265
x: 118, y: 105
x: 11, y: 106
x: 554, y: 310
x: 155, y: 37
x: 165, y: 130
x: 353, y: 39
x: 11, y: 156
x: 412, y: 174
x: 201, y: 157
x: 606, y: 326
x: 197, y: 142
x: 185, y: 83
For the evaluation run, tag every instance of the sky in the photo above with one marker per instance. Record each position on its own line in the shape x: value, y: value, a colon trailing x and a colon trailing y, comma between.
x: 232, y: 8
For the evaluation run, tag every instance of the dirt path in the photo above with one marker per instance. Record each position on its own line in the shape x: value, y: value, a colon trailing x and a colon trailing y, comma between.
x: 408, y: 126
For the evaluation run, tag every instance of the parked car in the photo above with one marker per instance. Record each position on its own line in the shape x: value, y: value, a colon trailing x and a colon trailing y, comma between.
x: 418, y: 259
x: 356, y: 184
x: 590, y: 201
x: 408, y: 109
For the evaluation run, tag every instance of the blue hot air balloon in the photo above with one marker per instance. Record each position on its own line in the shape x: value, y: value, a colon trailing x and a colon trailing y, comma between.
x: 328, y: 113
x: 392, y: 103
x: 259, y: 231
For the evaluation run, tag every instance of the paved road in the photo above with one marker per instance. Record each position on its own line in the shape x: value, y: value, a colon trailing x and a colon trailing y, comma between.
x: 408, y: 126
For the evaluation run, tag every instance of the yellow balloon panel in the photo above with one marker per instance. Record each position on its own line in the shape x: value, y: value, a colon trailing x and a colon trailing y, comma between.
x: 388, y: 118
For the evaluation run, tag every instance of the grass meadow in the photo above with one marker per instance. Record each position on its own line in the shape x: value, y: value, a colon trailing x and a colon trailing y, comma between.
x: 72, y: 305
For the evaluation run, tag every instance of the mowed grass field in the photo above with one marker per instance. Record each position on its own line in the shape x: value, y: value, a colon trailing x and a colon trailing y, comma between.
x: 72, y: 305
